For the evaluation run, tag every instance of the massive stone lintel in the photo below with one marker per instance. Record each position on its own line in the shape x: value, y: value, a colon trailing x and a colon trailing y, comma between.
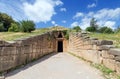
x: 106, y: 47
x: 114, y: 51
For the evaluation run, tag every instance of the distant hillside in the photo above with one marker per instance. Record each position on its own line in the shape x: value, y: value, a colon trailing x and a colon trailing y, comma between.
x: 10, y: 36
x: 58, y: 28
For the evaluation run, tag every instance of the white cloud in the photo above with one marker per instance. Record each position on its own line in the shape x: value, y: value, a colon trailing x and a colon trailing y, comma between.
x: 64, y: 21
x: 110, y: 24
x: 15, y: 11
x: 75, y: 24
x: 85, y: 22
x: 58, y: 2
x: 36, y: 10
x: 63, y: 9
x: 104, y: 17
x: 91, y: 5
x: 108, y: 14
x: 77, y: 15
x: 41, y: 10
x: 54, y: 23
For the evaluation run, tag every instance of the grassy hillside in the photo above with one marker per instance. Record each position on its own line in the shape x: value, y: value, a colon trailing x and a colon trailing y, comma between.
x: 113, y: 37
x: 10, y: 36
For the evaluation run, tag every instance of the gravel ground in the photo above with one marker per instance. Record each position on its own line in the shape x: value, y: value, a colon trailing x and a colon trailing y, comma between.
x: 56, y: 66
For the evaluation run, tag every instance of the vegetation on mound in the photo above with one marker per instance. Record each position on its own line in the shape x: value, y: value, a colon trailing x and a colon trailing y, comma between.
x: 10, y: 36
x: 8, y: 24
x: 113, y: 37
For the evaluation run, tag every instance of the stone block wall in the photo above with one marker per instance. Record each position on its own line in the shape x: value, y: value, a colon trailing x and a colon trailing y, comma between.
x: 94, y: 50
x: 25, y: 50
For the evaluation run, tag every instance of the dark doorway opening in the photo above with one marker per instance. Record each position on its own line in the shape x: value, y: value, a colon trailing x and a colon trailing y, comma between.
x: 60, y: 35
x: 60, y: 46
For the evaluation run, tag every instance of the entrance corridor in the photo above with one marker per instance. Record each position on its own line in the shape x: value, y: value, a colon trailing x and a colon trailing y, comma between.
x: 56, y: 66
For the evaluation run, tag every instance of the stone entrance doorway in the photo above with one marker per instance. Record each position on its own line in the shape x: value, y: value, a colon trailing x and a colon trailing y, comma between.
x: 60, y: 42
x: 60, y: 46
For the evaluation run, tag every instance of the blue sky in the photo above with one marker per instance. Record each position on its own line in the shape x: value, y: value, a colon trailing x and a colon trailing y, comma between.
x: 68, y: 13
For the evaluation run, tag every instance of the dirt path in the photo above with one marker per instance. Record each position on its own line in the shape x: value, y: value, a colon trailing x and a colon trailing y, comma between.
x: 56, y: 66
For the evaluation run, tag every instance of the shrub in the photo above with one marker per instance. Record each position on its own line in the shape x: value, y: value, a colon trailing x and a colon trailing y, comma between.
x: 105, y: 30
x: 13, y: 28
x: 6, y: 20
x: 117, y: 29
x: 91, y: 29
x: 27, y: 26
x: 77, y: 28
x: 1, y: 27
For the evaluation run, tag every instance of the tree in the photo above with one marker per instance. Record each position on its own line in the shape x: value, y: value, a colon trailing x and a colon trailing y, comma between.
x: 77, y: 28
x: 93, y: 24
x: 14, y: 27
x: 6, y: 20
x: 1, y: 27
x: 91, y: 29
x: 117, y: 29
x: 108, y: 30
x: 105, y: 30
x: 27, y: 26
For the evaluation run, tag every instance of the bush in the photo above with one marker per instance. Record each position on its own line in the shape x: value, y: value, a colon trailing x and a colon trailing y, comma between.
x: 91, y: 29
x: 77, y: 28
x: 105, y: 30
x: 13, y: 28
x: 27, y: 26
x: 1, y: 27
x: 117, y: 30
x: 6, y: 20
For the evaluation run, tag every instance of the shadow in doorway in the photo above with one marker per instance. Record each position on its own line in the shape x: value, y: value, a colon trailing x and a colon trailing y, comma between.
x: 60, y: 46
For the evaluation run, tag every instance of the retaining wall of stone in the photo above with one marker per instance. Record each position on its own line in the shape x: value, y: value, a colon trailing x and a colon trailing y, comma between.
x: 25, y: 50
x: 94, y: 50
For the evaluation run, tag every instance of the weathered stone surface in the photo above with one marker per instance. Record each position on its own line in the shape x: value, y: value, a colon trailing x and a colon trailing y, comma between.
x: 95, y: 47
x: 107, y: 55
x: 87, y: 47
x: 117, y: 58
x: 106, y: 47
x: 22, y: 51
x: 2, y: 77
x: 93, y: 38
x: 3, y: 42
x: 94, y: 42
x: 118, y: 67
x: 110, y: 64
x: 96, y: 51
x: 114, y: 51
x: 104, y: 42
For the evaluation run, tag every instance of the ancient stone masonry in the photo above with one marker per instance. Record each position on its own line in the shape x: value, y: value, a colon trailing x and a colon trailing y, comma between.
x: 25, y: 50
x: 94, y: 50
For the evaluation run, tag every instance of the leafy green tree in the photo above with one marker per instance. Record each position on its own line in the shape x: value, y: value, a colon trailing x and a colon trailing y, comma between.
x: 77, y: 28
x: 6, y: 20
x: 108, y: 30
x: 117, y: 29
x: 93, y: 25
x: 105, y: 30
x: 1, y: 27
x: 27, y: 26
x: 14, y: 28
x: 90, y: 29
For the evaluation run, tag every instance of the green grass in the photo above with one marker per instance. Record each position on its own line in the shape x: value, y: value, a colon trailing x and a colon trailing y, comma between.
x: 10, y: 36
x: 112, y: 37
x: 102, y: 68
